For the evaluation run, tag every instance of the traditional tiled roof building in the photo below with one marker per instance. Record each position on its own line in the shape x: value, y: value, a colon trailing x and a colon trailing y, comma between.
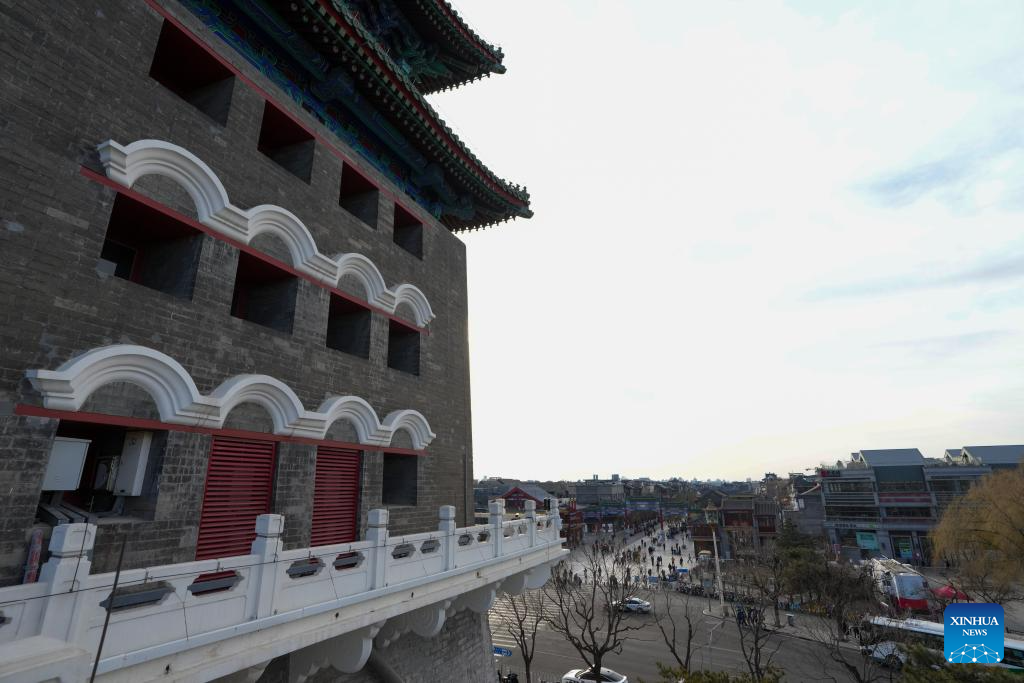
x: 235, y: 359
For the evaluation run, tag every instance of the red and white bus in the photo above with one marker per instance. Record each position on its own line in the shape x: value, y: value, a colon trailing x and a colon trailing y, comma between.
x: 902, y: 586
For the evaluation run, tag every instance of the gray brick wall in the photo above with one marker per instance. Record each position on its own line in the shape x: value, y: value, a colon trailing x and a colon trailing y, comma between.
x: 76, y: 74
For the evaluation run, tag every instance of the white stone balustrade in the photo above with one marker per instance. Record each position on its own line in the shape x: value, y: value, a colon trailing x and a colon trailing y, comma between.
x: 211, y: 618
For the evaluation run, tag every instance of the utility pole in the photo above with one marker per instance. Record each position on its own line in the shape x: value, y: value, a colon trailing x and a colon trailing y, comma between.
x: 711, y: 516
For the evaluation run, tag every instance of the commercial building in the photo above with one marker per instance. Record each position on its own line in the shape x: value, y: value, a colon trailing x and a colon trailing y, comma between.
x: 516, y: 496
x: 596, y: 491
x: 746, y: 523
x: 807, y: 512
x: 235, y: 354
x: 885, y: 502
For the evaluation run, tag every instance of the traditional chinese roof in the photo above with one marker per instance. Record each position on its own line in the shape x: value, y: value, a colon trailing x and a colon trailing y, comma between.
x: 429, y: 41
x: 531, y: 490
x: 339, y: 70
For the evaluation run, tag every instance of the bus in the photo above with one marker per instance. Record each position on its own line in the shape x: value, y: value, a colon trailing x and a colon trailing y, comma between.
x: 888, y: 634
x: 903, y: 586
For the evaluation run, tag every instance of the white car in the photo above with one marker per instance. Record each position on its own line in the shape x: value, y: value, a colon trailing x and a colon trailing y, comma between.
x: 886, y: 652
x: 584, y: 676
x: 633, y: 605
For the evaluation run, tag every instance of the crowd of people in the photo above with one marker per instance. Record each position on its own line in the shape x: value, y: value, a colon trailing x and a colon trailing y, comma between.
x: 655, y: 555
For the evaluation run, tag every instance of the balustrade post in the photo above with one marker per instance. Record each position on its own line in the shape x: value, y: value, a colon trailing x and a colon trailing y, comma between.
x: 377, y: 533
x: 531, y: 519
x: 68, y: 609
x: 446, y: 525
x: 266, y: 547
x: 556, y: 518
x: 497, y: 516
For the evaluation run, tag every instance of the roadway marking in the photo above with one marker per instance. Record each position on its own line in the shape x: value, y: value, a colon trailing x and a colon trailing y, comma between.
x: 574, y: 657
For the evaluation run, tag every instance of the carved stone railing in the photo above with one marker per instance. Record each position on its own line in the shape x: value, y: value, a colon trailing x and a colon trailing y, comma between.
x: 215, y: 617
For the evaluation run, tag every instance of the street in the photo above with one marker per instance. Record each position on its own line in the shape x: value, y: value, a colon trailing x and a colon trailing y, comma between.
x: 716, y: 644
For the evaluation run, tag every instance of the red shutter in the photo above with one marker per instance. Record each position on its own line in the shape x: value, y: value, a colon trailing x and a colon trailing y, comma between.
x: 335, y: 495
x: 239, y: 482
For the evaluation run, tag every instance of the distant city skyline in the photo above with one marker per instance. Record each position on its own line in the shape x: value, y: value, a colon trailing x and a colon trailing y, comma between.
x: 766, y: 235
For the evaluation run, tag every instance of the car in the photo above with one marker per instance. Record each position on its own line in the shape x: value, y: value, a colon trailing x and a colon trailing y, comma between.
x: 584, y: 676
x: 887, y: 652
x: 633, y: 604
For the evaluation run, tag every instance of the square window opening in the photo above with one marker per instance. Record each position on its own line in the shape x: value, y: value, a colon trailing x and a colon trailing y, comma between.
x: 101, y: 470
x: 187, y: 69
x: 348, y: 327
x: 150, y: 248
x: 264, y: 293
x: 408, y: 232
x: 358, y: 196
x: 399, y: 484
x: 403, y: 348
x: 288, y: 144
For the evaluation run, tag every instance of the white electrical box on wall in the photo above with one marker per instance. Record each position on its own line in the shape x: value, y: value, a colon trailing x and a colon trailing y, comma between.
x: 131, y: 469
x: 67, y: 458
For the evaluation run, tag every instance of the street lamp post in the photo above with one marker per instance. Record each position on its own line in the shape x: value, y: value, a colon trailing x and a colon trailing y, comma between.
x: 711, y: 516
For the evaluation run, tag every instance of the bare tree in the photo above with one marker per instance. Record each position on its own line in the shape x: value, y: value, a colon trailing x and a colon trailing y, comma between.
x: 850, y: 596
x: 984, y: 575
x: 764, y: 572
x: 758, y: 643
x: 676, y: 623
x: 585, y: 604
x: 851, y: 650
x: 520, y: 616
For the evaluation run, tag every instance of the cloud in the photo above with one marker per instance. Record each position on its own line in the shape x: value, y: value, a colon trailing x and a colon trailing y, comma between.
x: 934, y: 348
x: 992, y: 270
x: 958, y: 178
x: 910, y: 184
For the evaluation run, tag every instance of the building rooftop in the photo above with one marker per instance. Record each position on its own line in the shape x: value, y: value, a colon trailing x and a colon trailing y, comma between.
x: 362, y: 69
x: 890, y: 457
x: 814, y: 490
x: 531, y: 490
x: 429, y: 41
x: 996, y: 455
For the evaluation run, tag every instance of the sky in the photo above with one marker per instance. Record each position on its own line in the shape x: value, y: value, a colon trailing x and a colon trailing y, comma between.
x: 766, y: 234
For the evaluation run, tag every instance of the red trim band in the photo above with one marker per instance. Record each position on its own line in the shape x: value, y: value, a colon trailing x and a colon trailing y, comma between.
x: 157, y: 425
x: 193, y: 223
